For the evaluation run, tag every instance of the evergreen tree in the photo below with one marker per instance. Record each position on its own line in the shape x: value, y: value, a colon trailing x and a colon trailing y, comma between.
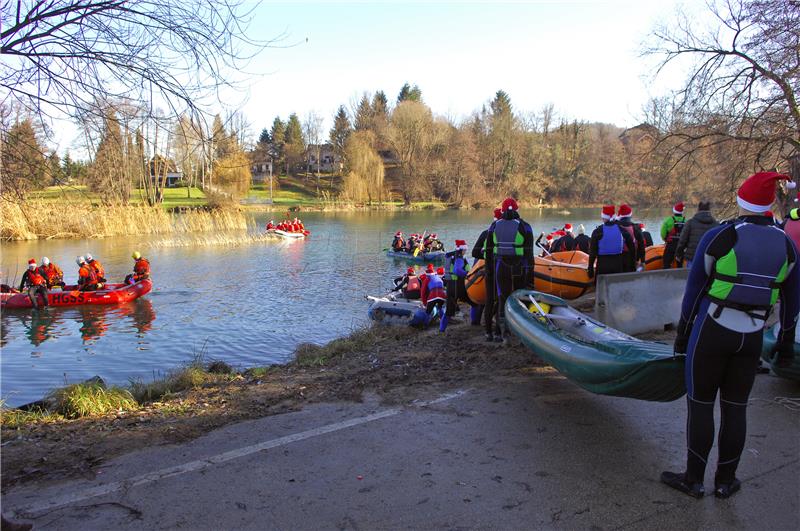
x: 278, y: 132
x: 380, y: 105
x: 340, y: 132
x: 363, y: 119
x: 107, y: 174
x: 264, y: 138
x: 502, y: 134
x: 222, y: 141
x: 409, y: 93
x: 24, y: 166
x: 293, y: 138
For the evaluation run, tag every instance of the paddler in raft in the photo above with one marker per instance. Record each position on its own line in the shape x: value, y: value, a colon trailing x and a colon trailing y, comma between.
x: 509, y: 264
x: 271, y: 225
x: 87, y: 276
x: 607, y: 244
x: 582, y: 240
x: 408, y: 285
x: 97, y: 266
x: 456, y: 269
x: 398, y: 243
x: 141, y: 269
x: 565, y: 242
x: 35, y: 283
x: 51, y: 273
x: 741, y: 269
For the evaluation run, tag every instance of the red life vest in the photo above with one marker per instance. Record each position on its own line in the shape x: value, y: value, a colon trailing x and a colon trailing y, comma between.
x: 87, y: 275
x: 413, y: 284
x: 35, y: 278
x: 52, y: 273
x: 629, y: 230
x: 141, y: 268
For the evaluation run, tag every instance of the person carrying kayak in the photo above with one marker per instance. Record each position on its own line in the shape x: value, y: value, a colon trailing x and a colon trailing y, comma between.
x: 87, y: 276
x: 741, y: 269
x: 97, y: 266
x: 398, y: 244
x: 509, y: 263
x: 693, y: 232
x: 51, y: 273
x: 791, y: 226
x: 646, y: 236
x: 607, y: 245
x: 671, y: 232
x: 35, y: 283
x: 141, y: 269
x: 408, y: 285
x: 635, y: 256
x: 456, y: 269
x: 582, y: 240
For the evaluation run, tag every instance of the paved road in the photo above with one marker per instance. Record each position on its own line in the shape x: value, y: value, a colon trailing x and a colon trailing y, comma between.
x: 531, y: 452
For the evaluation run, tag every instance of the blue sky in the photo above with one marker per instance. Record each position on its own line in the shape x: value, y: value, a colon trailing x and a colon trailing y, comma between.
x: 581, y: 56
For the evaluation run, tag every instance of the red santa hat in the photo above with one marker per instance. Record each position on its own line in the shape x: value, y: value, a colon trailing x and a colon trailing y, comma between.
x: 757, y: 192
x: 429, y: 269
x: 625, y: 211
x: 678, y: 208
x: 32, y: 262
x: 608, y: 212
x: 769, y: 214
x: 549, y: 237
x: 410, y: 271
x: 440, y: 271
x: 498, y: 213
x: 509, y: 203
x: 568, y: 227
x: 461, y: 245
x: 398, y: 233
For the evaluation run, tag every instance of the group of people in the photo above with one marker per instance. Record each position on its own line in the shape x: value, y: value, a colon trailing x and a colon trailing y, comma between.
x: 38, y: 280
x: 416, y: 243
x: 439, y: 289
x: 563, y: 239
x: 287, y: 225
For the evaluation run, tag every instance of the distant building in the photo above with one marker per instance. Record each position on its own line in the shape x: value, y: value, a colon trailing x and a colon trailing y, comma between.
x: 328, y: 161
x: 158, y: 165
x: 261, y: 163
x: 639, y: 139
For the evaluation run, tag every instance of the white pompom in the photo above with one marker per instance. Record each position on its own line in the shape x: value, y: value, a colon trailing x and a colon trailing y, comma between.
x: 791, y: 184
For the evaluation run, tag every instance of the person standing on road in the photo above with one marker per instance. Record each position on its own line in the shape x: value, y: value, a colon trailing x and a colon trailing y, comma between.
x: 741, y: 269
x: 509, y: 263
x: 693, y: 232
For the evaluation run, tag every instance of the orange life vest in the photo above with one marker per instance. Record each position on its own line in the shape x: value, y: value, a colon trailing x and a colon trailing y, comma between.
x: 98, y: 268
x: 87, y: 275
x: 52, y: 273
x: 35, y: 278
x: 141, y: 269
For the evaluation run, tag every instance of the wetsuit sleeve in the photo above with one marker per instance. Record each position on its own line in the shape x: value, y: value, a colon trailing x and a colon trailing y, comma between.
x: 637, y: 233
x: 666, y: 227
x: 477, y: 250
x: 790, y: 299
x: 527, y: 242
x: 683, y: 241
x: 713, y: 244
x: 594, y: 244
x: 22, y: 282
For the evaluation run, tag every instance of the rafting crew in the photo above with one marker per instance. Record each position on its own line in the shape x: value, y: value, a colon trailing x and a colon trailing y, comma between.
x: 34, y: 282
x: 509, y: 264
x: 693, y: 231
x: 52, y: 274
x: 607, y: 246
x: 671, y: 229
x: 456, y: 269
x: 741, y: 268
x: 634, y: 256
x: 87, y: 276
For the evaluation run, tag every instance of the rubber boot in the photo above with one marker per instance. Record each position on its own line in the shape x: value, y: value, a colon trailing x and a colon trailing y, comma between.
x: 443, y: 323
x: 678, y: 481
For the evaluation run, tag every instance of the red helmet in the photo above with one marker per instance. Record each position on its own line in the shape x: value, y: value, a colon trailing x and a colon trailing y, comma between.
x: 509, y: 203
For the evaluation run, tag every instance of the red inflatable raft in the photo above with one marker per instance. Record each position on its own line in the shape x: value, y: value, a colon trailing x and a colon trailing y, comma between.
x: 70, y: 296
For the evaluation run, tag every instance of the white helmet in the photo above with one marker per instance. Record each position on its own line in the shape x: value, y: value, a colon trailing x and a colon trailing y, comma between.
x: 581, y: 229
x: 45, y: 261
x: 89, y: 257
x: 80, y: 260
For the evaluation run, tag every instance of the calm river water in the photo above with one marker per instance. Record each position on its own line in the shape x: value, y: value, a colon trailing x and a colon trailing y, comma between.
x: 248, y: 305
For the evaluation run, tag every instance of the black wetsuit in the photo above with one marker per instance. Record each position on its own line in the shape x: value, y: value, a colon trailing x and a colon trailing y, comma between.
x: 648, y: 239
x: 506, y: 272
x: 564, y: 243
x: 718, y: 357
x: 637, y: 255
x: 582, y: 243
x: 608, y: 264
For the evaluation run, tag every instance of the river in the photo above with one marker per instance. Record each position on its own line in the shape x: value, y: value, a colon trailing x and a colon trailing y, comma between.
x: 248, y: 305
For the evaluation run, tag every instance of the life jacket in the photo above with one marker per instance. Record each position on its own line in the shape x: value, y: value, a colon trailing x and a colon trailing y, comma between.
x: 630, y: 230
x: 677, y: 226
x: 452, y: 261
x: 612, y: 242
x: 35, y: 279
x: 51, y: 273
x: 413, y: 283
x: 398, y: 243
x: 507, y: 238
x: 749, y: 277
x: 270, y: 226
x: 98, y: 268
x: 87, y: 275
x: 141, y: 267
x: 792, y: 229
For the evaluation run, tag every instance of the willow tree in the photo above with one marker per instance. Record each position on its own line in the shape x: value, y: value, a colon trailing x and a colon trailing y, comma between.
x: 364, y: 179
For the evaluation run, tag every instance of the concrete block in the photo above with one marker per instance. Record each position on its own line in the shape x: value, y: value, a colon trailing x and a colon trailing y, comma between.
x: 636, y: 303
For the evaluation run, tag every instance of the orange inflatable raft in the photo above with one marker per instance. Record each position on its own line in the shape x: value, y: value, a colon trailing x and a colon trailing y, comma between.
x: 654, y: 257
x: 562, y: 274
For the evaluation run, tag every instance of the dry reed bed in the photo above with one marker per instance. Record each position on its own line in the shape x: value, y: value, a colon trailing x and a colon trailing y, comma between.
x: 46, y: 220
x: 219, y: 239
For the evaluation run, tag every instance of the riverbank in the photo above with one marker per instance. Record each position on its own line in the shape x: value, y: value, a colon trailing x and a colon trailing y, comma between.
x: 392, y: 362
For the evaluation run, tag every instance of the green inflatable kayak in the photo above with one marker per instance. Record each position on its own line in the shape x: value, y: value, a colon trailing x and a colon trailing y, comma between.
x: 791, y: 372
x: 598, y: 358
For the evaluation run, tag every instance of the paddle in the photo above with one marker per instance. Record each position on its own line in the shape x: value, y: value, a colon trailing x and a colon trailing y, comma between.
x: 539, y: 245
x: 419, y: 245
x: 540, y: 310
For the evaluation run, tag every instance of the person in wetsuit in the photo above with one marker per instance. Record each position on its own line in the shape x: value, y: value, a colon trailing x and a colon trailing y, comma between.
x: 479, y: 253
x: 607, y: 245
x: 509, y: 263
x: 646, y: 236
x: 566, y: 242
x: 741, y: 268
x: 635, y: 256
x: 582, y: 240
x: 409, y: 284
x: 671, y: 230
x: 456, y: 269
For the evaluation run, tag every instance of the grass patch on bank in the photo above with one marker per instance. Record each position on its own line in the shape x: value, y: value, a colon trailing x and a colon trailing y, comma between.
x: 173, y: 197
x: 313, y: 355
x: 92, y: 398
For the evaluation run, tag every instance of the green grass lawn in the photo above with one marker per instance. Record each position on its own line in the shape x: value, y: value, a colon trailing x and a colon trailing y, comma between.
x: 173, y: 197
